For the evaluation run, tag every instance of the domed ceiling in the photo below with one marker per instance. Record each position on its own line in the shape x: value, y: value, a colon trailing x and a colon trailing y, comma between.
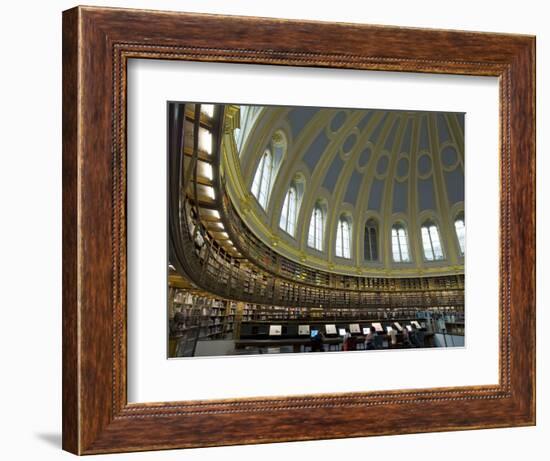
x: 386, y: 168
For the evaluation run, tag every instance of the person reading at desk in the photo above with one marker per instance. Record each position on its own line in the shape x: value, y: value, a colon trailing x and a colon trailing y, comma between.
x: 416, y: 336
x: 371, y: 339
x: 406, y: 340
x: 350, y: 343
x: 393, y: 338
x: 317, y: 342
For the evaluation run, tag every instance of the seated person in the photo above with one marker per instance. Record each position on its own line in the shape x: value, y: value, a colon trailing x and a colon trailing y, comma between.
x: 379, y: 341
x: 393, y: 338
x: 317, y: 342
x: 421, y: 337
x: 350, y: 343
x: 416, y: 337
x: 406, y: 339
x: 370, y: 340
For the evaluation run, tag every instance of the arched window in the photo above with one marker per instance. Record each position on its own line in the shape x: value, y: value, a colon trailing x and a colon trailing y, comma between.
x: 400, y: 243
x: 288, y: 215
x: 316, y: 228
x: 262, y: 179
x: 247, y: 118
x: 460, y: 232
x: 371, y: 241
x: 343, y: 238
x: 431, y: 242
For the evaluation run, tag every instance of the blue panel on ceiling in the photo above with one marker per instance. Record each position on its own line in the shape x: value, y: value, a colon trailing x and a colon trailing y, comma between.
x: 375, y: 196
x: 337, y: 121
x: 364, y: 157
x: 424, y: 139
x: 443, y: 128
x: 353, y: 187
x: 363, y: 122
x: 390, y: 139
x: 424, y: 164
x: 454, y: 181
x: 448, y: 156
x: 382, y: 165
x: 349, y: 143
x: 333, y: 173
x: 400, y: 196
x: 376, y: 133
x: 299, y: 117
x: 426, y: 199
x: 402, y: 167
x: 315, y: 150
x: 407, y: 136
x: 460, y: 120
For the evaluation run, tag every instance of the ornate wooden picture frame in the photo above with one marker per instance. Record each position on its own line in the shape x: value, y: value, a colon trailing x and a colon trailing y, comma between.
x: 97, y: 44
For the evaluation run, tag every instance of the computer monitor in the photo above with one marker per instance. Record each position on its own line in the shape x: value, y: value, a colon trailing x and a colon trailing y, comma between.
x: 303, y: 330
x: 416, y: 324
x: 409, y: 328
x: 342, y: 331
x: 354, y: 328
x: 313, y: 333
x: 330, y: 329
x: 366, y: 330
x: 389, y: 329
x: 275, y: 330
x: 398, y: 325
x: 378, y: 326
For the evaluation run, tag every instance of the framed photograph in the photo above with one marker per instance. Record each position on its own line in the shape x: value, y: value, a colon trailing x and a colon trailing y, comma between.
x: 249, y: 201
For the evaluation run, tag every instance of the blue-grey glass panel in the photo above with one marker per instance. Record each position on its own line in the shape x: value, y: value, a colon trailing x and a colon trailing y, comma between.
x: 460, y: 120
x: 364, y: 157
x: 375, y: 196
x: 400, y: 196
x: 426, y: 198
x: 448, y: 156
x: 443, y: 128
x: 454, y: 181
x: 349, y: 142
x: 407, y: 137
x: 363, y: 122
x: 402, y: 167
x: 424, y: 138
x: 299, y: 117
x: 337, y: 121
x: 333, y: 173
x: 376, y: 133
x: 354, y: 185
x: 382, y: 164
x: 424, y: 164
x: 315, y: 150
x: 390, y: 138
